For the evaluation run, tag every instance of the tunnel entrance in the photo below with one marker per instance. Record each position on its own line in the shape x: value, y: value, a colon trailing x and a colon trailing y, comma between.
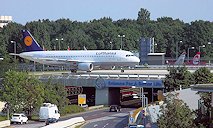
x: 90, y: 95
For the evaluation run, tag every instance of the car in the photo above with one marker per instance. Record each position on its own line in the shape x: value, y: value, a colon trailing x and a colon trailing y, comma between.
x: 114, y: 108
x: 84, y: 106
x: 51, y: 120
x: 19, y: 118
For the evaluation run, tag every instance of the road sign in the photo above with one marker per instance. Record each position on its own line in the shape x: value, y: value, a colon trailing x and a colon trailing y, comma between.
x: 82, y: 99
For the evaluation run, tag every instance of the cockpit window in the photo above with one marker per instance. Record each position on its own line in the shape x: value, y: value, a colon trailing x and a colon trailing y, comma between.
x: 129, y: 55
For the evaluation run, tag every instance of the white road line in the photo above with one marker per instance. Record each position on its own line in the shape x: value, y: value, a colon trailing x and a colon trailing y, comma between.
x: 95, y: 125
x: 105, y: 125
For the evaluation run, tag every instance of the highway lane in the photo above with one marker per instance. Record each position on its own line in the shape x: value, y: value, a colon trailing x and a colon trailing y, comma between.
x: 118, y: 118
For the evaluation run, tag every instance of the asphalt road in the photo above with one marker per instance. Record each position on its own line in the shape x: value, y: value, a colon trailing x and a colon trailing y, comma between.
x: 103, y: 116
x: 106, y: 119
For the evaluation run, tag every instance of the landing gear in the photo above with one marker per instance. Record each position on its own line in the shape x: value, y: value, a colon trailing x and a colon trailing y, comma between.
x: 113, y: 67
x: 122, y: 70
x: 73, y: 70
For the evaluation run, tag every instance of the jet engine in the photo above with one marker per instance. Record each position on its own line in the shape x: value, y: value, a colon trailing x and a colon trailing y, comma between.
x: 85, y: 66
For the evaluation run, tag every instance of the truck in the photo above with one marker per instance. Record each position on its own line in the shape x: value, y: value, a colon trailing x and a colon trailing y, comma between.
x: 48, y: 110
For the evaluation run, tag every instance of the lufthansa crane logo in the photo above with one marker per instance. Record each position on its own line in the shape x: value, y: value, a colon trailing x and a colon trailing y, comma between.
x: 100, y: 83
x: 28, y: 40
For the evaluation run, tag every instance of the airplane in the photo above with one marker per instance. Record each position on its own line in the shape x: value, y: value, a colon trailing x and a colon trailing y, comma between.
x: 196, y: 60
x: 84, y: 60
x: 180, y: 60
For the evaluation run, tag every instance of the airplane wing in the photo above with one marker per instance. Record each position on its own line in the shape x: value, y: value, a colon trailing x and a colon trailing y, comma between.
x: 13, y: 54
x: 64, y: 60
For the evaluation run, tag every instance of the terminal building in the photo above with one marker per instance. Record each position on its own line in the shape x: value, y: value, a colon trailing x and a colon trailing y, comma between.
x: 4, y: 20
x: 147, y: 54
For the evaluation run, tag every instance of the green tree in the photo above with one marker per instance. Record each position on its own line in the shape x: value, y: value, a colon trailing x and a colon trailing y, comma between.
x: 143, y: 16
x: 202, y: 76
x: 176, y: 77
x: 55, y: 93
x: 21, y: 92
x: 175, y: 114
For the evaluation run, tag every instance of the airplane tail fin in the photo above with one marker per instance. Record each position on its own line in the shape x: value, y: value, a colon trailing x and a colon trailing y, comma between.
x: 196, y: 59
x: 30, y: 42
x: 181, y: 59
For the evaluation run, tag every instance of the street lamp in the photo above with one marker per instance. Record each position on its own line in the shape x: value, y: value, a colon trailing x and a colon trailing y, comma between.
x: 59, y: 42
x: 155, y: 44
x: 121, y: 36
x: 110, y: 44
x: 177, y: 48
x: 203, y: 46
x: 188, y: 51
x: 14, y: 47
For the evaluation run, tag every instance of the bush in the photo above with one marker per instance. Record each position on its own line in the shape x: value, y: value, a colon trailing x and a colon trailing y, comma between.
x: 69, y: 109
x: 3, y: 118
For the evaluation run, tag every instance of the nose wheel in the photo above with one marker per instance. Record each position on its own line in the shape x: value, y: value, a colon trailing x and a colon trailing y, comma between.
x: 73, y: 70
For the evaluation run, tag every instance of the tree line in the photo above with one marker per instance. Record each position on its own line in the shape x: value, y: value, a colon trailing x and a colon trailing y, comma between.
x: 98, y: 33
x: 176, y: 113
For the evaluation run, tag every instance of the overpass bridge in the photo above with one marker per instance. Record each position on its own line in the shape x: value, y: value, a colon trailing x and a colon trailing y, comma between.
x: 105, y: 88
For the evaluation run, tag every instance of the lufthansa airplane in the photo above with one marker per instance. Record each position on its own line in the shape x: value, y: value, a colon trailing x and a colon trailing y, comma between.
x: 84, y: 60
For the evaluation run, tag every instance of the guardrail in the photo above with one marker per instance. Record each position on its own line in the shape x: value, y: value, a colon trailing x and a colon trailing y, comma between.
x: 66, y: 123
x: 113, y: 76
x: 5, y: 123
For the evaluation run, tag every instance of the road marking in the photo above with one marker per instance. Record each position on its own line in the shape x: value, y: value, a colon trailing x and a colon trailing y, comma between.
x: 109, y: 117
x: 105, y: 125
x: 95, y: 125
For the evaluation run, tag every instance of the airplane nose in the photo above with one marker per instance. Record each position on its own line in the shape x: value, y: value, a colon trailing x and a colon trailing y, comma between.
x: 137, y: 59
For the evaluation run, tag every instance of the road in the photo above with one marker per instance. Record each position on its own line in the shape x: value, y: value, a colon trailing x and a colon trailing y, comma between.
x: 102, y: 116
x: 107, y: 119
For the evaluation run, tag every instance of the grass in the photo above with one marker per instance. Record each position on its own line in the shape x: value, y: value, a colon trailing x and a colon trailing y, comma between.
x: 2, y: 118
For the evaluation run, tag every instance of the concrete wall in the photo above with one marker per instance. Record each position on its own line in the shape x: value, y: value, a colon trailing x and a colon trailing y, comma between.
x: 156, y: 60
x: 102, y: 96
x: 5, y: 123
x: 1, y: 106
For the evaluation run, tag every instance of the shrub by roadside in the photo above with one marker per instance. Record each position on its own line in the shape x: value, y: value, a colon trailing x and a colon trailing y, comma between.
x: 69, y: 109
x: 3, y: 118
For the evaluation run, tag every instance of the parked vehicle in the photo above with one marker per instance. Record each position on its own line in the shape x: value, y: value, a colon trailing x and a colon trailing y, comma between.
x: 48, y: 110
x: 19, y: 118
x: 114, y: 108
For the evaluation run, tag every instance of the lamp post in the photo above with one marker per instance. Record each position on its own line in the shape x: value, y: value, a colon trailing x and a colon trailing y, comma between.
x: 59, y: 47
x: 155, y: 44
x: 203, y: 46
x: 110, y: 44
x: 14, y: 48
x: 177, y: 48
x: 188, y: 52
x: 121, y: 36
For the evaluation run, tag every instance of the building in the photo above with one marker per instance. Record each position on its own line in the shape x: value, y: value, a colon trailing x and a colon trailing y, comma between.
x: 147, y: 54
x: 4, y: 20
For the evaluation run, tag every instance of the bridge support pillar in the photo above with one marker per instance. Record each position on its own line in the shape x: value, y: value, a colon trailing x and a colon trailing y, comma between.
x: 102, y: 96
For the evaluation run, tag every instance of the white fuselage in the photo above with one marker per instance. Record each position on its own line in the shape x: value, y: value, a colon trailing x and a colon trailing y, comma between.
x: 102, y: 58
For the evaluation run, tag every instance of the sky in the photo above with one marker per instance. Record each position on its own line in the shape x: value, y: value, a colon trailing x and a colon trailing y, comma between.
x: 24, y: 11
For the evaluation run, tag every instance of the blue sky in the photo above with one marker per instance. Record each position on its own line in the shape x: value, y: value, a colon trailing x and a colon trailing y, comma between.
x: 85, y: 10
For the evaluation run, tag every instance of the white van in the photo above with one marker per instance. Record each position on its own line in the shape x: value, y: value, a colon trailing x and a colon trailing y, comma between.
x: 48, y: 110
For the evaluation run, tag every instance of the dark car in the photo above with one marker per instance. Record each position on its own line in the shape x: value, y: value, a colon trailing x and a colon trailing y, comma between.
x: 114, y: 108
x: 51, y: 120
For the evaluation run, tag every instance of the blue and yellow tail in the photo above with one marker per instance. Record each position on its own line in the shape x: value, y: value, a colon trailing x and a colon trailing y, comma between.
x: 30, y: 42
